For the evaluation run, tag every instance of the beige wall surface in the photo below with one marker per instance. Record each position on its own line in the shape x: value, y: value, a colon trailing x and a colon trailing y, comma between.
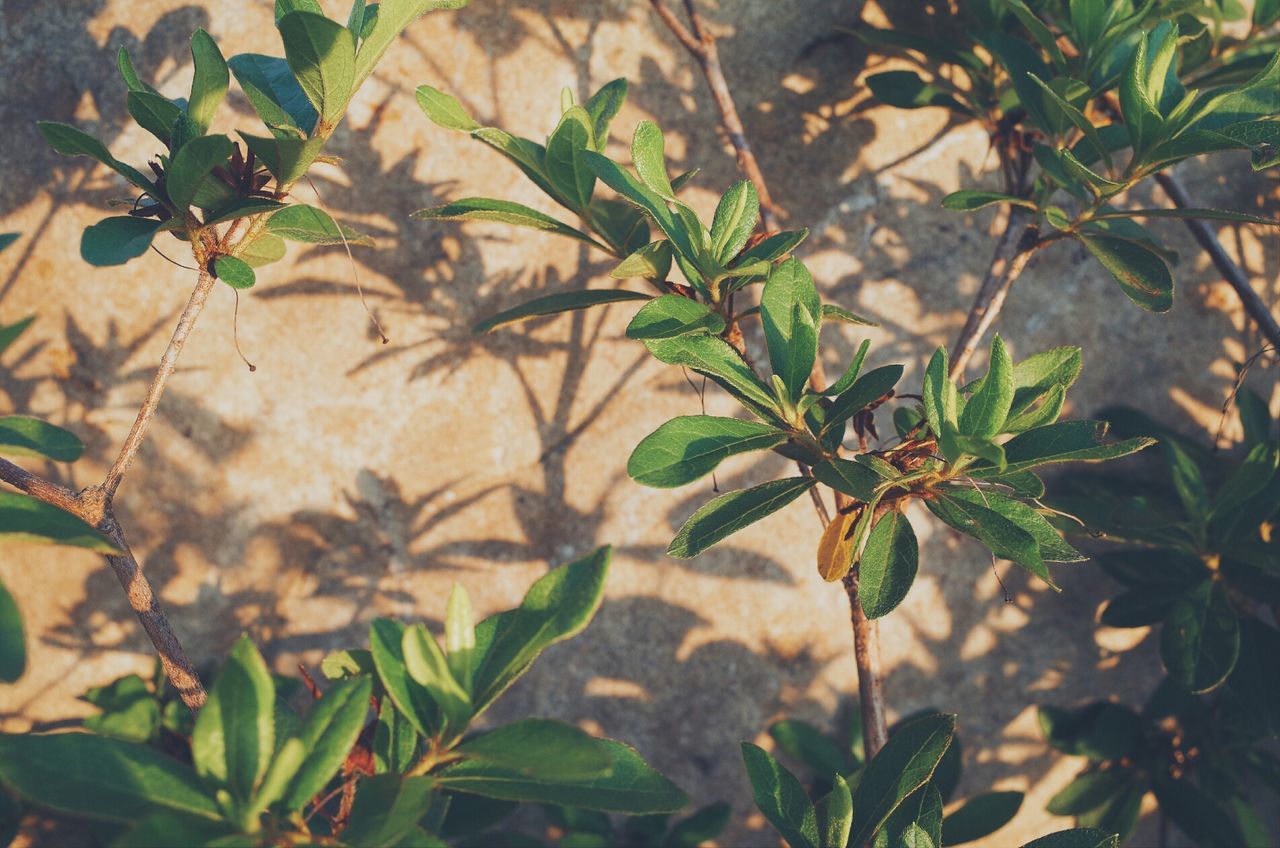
x: 345, y: 479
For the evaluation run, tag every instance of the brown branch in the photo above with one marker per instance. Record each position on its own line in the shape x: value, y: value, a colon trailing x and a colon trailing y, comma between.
x: 701, y: 45
x: 168, y: 362
x: 866, y: 655
x: 1013, y: 251
x: 1230, y: 271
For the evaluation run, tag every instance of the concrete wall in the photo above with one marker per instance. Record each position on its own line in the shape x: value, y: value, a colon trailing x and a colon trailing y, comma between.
x: 345, y: 480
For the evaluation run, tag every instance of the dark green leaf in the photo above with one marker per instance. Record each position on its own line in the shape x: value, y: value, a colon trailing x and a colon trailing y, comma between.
x: 632, y: 786
x: 730, y: 512
x: 866, y: 390
x: 1065, y: 441
x: 243, y: 208
x: 70, y: 141
x: 387, y: 809
x: 982, y: 815
x: 970, y: 200
x: 395, y: 741
x: 234, y: 272
x: 906, y: 90
x: 841, y: 385
x: 988, y: 408
x: 1088, y: 791
x: 24, y: 519
x: 603, y: 107
x: 671, y: 315
x: 322, y: 55
x: 192, y: 165
x: 114, y: 241
x: 130, y: 710
x: 101, y: 778
x: 701, y: 827
x: 688, y: 447
x: 553, y: 304
x: 22, y: 436
x: 906, y: 763
x: 1192, y: 213
x: 1052, y: 546
x: 13, y: 642
x: 386, y: 639
x: 653, y: 204
x: 209, y: 84
x: 1005, y: 538
x: 917, y: 823
x: 855, y: 479
x: 390, y: 21
x: 486, y: 209
x: 772, y: 248
x: 1200, y: 641
x: 791, y: 312
x: 235, y: 730
x: 1083, y: 837
x: 1142, y: 273
x: 328, y: 734
x: 274, y: 94
x: 888, y: 565
x: 541, y: 749
x: 1195, y: 813
x: 735, y: 219
x: 154, y: 113
x: 565, y: 165
x: 810, y: 746
x: 781, y: 798
x: 287, y: 157
x: 715, y: 358
x: 1100, y: 731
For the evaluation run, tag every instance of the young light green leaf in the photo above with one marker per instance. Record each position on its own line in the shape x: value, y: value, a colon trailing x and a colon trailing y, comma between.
x: 939, y: 394
x: 100, y: 778
x: 505, y: 211
x: 835, y: 815
x: 23, y: 436
x: 652, y: 203
x: 905, y: 764
x: 981, y: 815
x: 652, y: 262
x: 542, y: 749
x: 691, y: 446
x: 263, y: 250
x: 1141, y: 116
x: 460, y: 637
x: 275, y: 94
x: 556, y: 607
x: 735, y: 219
x: 444, y: 110
x: 631, y: 786
x: 386, y: 645
x: 13, y: 640
x: 210, y: 82
x: 553, y: 304
x: 322, y: 55
x: 648, y: 154
x: 988, y: 408
x: 235, y: 731
x: 730, y: 512
x: 328, y: 734
x: 24, y: 519
x: 114, y: 241
x: 888, y: 565
x: 1200, y: 641
x: 841, y: 385
x: 191, y: 166
x: 1088, y: 791
x: 782, y: 799
x: 428, y: 666
x: 312, y: 225
x: 791, y: 312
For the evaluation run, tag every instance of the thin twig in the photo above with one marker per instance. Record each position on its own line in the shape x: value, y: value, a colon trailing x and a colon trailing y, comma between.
x: 701, y: 45
x: 168, y: 362
x: 1230, y: 271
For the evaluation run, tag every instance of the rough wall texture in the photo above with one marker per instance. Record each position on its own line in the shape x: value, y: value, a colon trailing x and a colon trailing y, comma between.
x: 345, y: 479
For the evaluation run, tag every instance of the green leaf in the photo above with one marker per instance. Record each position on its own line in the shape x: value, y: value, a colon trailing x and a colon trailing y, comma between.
x: 387, y: 809
x: 810, y: 746
x: 1052, y: 546
x: 982, y: 815
x: 542, y: 749
x: 127, y: 73
x: 1099, y: 731
x: 1249, y: 478
x: 652, y: 203
x: 565, y: 164
x: 781, y: 797
x: 553, y: 304
x: 328, y: 734
x: 312, y: 225
x: 486, y: 209
x: 649, y: 157
x: 460, y: 637
x: 735, y: 219
x: 243, y: 208
x: 24, y: 519
x: 192, y: 165
x: 906, y: 763
x: 888, y: 565
x: 791, y: 312
x: 603, y: 107
x: 1005, y: 538
x: 287, y: 157
x: 210, y: 82
x: 395, y: 741
x: 386, y: 640
x: 322, y: 55
x: 1141, y: 115
x: 1192, y: 213
x: 691, y: 446
x: 714, y: 357
x: 671, y: 315
x: 1065, y: 441
x: 154, y: 113
x: 851, y: 373
x: 988, y: 408
x: 907, y: 90
x: 1142, y: 273
x: 855, y: 479
x: 444, y: 110
x: 772, y: 248
x: 1023, y: 63
x: 235, y: 730
x: 114, y: 241
x: 939, y: 393
x: 274, y: 93
x: 428, y: 666
x: 730, y: 512
x: 917, y: 823
x: 392, y: 18
x: 101, y: 778
x: 632, y: 786
x: 970, y: 200
x: 1076, y: 117
x: 556, y: 607
x: 234, y: 272
x: 22, y: 436
x: 13, y: 641
x: 836, y: 313
x: 1200, y: 642
x: 263, y: 250
x: 652, y: 262
x: 1088, y: 791
x: 866, y: 390
x: 1084, y: 837
x: 835, y: 815
x: 1195, y: 813
x: 70, y: 141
